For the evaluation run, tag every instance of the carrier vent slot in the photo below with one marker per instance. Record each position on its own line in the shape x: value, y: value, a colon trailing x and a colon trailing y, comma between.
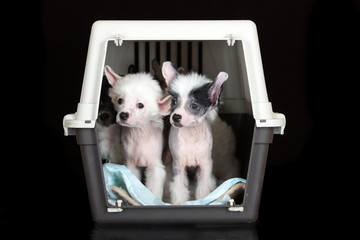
x: 185, y: 54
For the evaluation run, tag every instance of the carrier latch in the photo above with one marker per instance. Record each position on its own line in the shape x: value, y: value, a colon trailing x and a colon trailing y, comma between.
x: 230, y: 40
x: 117, y: 208
x: 233, y: 207
x: 118, y: 40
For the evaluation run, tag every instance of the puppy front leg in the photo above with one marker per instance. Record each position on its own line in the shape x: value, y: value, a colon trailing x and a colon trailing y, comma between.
x: 206, y: 181
x: 134, y: 169
x: 155, y: 178
x: 179, y: 186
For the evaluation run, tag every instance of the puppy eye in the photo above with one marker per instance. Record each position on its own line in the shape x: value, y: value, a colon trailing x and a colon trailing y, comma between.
x: 140, y: 105
x: 174, y: 101
x: 194, y: 106
x: 120, y: 101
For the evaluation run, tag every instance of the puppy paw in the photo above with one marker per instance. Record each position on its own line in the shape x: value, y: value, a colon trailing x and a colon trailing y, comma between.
x: 178, y: 195
x: 204, y: 188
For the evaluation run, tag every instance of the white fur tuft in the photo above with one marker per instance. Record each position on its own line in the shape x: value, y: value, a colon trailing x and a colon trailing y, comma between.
x: 185, y: 83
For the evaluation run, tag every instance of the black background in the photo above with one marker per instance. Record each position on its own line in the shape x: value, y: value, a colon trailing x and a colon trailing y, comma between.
x: 310, y: 53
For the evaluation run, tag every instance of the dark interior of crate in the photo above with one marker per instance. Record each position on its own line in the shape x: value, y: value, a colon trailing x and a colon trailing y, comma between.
x: 243, y: 127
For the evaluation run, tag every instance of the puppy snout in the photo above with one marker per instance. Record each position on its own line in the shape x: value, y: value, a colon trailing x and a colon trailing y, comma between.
x: 124, y: 116
x: 176, y: 118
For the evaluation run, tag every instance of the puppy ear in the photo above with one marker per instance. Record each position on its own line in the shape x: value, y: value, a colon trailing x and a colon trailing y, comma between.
x: 216, y: 88
x: 164, y: 105
x: 111, y: 75
x: 169, y: 72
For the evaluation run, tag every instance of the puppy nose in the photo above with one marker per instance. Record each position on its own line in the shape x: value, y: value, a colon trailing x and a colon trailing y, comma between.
x: 124, y: 115
x: 176, y: 118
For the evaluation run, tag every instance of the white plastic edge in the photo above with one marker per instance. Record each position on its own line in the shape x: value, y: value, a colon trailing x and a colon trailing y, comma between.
x: 104, y: 31
x: 278, y: 122
x: 70, y: 122
x: 265, y: 117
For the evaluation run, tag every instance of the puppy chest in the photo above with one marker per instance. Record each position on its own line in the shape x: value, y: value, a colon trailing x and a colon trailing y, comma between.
x: 190, y: 146
x: 142, y: 147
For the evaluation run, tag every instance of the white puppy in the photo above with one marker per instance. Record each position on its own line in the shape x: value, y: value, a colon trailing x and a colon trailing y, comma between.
x: 136, y: 98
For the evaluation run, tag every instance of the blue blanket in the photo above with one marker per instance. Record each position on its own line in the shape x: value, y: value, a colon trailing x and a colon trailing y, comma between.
x: 120, y: 176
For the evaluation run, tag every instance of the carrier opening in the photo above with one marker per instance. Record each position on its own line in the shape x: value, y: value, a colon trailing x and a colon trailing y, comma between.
x: 232, y: 131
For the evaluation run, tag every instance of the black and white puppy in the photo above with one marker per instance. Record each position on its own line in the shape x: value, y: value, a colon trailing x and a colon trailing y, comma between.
x: 194, y: 101
x: 108, y: 131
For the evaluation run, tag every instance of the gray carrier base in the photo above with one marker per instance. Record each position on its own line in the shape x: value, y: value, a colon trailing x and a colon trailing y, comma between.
x: 247, y: 212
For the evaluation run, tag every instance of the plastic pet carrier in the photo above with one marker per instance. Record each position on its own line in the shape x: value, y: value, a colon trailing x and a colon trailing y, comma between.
x: 205, y: 47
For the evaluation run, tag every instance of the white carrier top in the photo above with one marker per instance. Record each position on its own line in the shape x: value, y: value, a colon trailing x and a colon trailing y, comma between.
x: 228, y: 31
